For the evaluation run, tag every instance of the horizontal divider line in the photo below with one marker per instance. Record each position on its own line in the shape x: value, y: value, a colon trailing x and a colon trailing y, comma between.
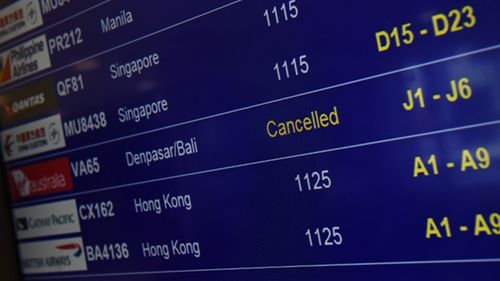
x: 270, y: 267
x: 13, y: 84
x: 65, y: 151
x: 443, y: 131
x: 23, y: 38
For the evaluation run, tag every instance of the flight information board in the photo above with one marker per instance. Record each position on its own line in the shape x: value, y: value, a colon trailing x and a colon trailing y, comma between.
x: 252, y: 140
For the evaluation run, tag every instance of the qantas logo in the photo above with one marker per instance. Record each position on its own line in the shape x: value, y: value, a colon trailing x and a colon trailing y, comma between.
x: 27, y: 102
x: 8, y: 111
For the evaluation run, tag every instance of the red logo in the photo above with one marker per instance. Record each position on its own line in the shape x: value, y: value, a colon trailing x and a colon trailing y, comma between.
x: 40, y: 179
x: 5, y: 74
x: 71, y: 247
x: 8, y: 145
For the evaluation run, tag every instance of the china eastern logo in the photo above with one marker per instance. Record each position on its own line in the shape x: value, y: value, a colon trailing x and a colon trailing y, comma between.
x: 18, y: 18
x: 33, y: 138
x: 39, y: 179
x: 8, y: 143
x: 55, y: 133
x: 32, y: 11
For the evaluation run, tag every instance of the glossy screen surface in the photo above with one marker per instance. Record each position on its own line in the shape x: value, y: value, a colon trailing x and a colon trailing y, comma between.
x: 252, y: 140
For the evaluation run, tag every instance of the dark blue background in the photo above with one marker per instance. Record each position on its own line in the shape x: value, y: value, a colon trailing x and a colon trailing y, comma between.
x: 254, y: 215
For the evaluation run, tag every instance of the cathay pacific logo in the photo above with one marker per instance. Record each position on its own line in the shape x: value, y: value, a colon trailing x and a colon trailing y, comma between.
x: 21, y: 224
x: 47, y: 220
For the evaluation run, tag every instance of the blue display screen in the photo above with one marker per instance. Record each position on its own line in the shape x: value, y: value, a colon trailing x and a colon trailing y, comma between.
x: 252, y: 140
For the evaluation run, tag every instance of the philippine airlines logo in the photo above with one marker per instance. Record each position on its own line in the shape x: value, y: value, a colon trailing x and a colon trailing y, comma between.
x: 73, y: 247
x: 5, y: 71
x: 25, y: 59
x: 40, y: 179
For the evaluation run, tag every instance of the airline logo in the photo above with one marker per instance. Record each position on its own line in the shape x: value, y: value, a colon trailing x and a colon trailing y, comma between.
x: 19, y: 18
x: 26, y: 102
x: 33, y: 138
x: 60, y: 255
x: 25, y: 59
x: 5, y: 68
x: 40, y: 179
x: 46, y: 219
